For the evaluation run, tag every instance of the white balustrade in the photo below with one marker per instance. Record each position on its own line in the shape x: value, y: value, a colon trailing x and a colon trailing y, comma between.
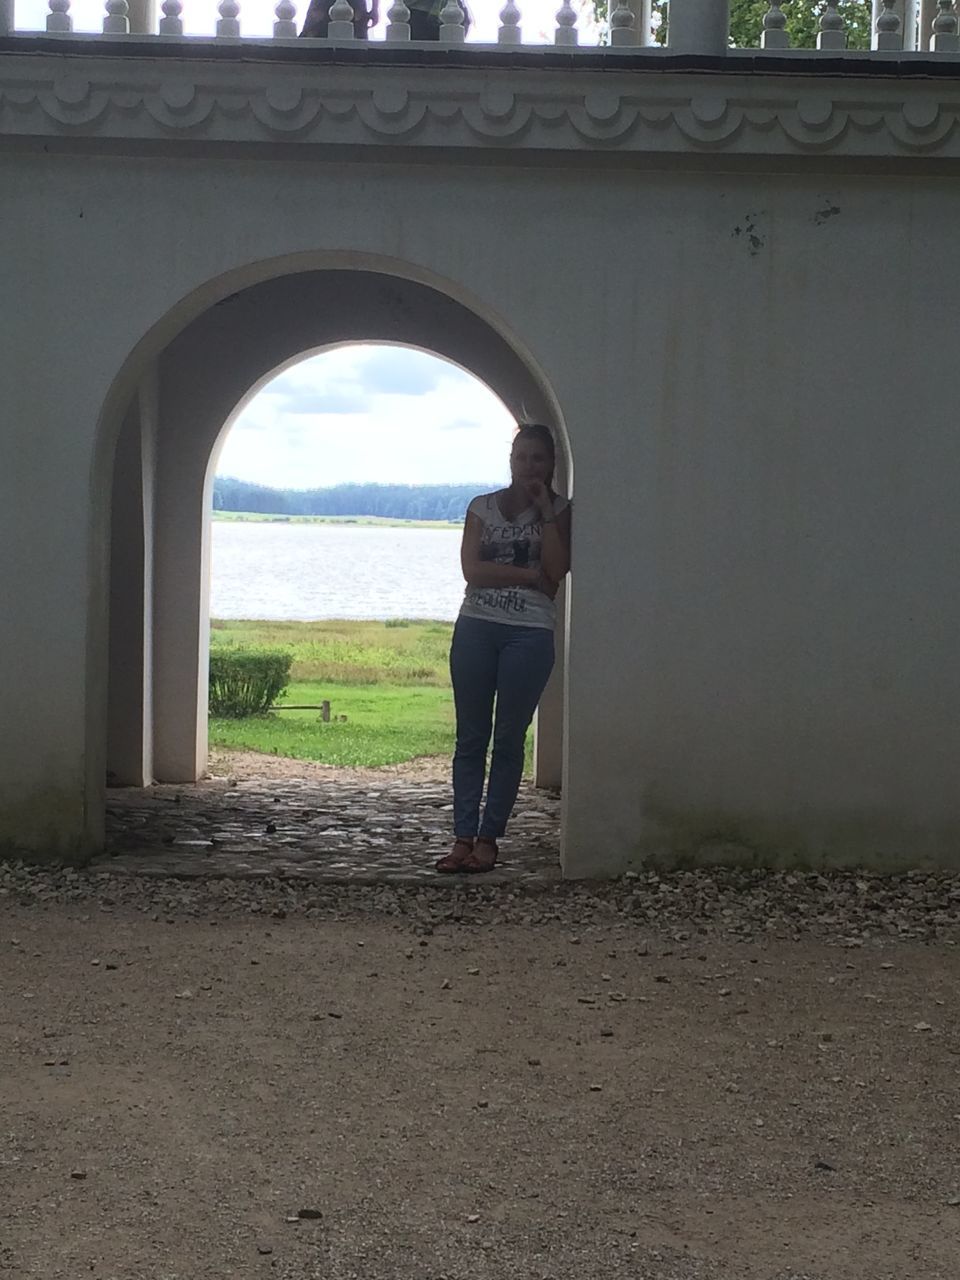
x: 695, y: 27
x: 117, y: 20
x: 775, y: 34
x: 229, y: 21
x: 398, y: 21
x: 171, y: 23
x: 623, y: 29
x: 58, y: 19
x: 946, y: 28
x: 340, y: 25
x: 699, y: 26
x: 451, y: 23
x: 509, y: 31
x: 833, y: 32
x: 567, y: 34
x: 285, y: 27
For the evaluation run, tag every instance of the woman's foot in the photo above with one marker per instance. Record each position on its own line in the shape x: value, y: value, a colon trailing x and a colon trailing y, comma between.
x: 482, y: 858
x: 454, y: 860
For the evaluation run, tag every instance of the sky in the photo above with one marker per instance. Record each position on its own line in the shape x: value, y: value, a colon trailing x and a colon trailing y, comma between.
x: 370, y: 413
x: 257, y: 16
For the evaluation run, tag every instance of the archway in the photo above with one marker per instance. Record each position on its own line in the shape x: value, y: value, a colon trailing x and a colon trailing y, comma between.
x: 163, y: 472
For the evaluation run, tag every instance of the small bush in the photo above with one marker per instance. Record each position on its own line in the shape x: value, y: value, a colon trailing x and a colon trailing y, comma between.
x: 247, y: 682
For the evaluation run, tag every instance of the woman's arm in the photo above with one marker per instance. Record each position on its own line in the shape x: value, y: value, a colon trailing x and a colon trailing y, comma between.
x: 555, y: 547
x: 486, y: 573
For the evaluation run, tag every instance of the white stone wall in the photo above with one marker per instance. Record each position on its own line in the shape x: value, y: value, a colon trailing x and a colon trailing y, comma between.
x: 750, y: 351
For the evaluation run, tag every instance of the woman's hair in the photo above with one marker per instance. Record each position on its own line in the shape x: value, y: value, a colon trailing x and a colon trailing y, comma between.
x: 543, y: 435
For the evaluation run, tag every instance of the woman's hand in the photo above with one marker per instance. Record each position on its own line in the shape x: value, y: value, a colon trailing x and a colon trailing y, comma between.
x: 546, y: 585
x: 539, y: 495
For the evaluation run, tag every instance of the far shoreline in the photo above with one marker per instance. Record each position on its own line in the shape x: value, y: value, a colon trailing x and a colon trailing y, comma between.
x: 381, y: 522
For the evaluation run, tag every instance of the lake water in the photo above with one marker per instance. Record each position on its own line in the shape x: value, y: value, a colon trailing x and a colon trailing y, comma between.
x: 312, y: 571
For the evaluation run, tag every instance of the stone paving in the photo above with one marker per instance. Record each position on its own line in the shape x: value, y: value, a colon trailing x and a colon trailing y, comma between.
x: 315, y: 829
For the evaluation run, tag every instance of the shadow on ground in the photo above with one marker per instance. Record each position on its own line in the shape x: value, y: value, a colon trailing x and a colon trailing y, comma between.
x: 318, y: 829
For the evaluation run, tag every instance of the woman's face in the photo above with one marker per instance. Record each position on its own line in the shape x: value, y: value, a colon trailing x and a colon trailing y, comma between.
x: 530, y: 459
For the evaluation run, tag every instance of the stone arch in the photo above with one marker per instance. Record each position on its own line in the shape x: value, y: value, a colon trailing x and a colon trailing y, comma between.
x: 186, y: 391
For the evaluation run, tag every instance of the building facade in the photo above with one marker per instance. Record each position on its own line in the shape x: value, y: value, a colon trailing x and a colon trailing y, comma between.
x: 728, y: 279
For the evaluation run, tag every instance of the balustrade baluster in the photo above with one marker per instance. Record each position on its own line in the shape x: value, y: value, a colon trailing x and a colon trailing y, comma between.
x: 228, y: 23
x: 906, y: 11
x: 451, y: 23
x: 832, y: 33
x: 340, y: 26
x: 566, y: 25
x: 398, y: 21
x: 171, y: 23
x: 58, y: 19
x: 946, y: 36
x: 623, y: 26
x: 510, y: 32
x: 117, y: 21
x: 889, y: 34
x: 775, y: 33
x: 285, y: 27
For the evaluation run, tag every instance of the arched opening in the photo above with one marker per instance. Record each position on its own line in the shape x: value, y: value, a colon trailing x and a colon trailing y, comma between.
x: 356, y: 433
x: 339, y: 492
x: 163, y: 475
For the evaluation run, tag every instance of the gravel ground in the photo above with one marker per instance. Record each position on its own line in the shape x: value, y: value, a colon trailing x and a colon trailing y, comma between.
x: 710, y: 1076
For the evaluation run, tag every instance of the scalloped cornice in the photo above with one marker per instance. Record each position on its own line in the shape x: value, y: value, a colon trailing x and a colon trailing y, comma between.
x: 100, y: 98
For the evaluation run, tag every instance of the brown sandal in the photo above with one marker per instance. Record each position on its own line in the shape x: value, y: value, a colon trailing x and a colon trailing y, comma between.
x: 454, y: 860
x: 483, y: 857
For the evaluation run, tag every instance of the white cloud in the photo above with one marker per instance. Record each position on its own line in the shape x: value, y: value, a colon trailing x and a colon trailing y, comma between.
x: 458, y: 431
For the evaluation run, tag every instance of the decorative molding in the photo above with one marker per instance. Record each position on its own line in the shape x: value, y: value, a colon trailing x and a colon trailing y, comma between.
x: 99, y: 98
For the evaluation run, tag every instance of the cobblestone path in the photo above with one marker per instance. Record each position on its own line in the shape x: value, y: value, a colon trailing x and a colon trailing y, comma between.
x: 319, y: 830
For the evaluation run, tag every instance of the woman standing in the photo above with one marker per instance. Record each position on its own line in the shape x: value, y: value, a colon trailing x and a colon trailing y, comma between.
x: 515, y: 552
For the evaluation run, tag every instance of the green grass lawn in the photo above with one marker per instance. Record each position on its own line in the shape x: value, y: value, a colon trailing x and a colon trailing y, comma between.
x: 385, y: 724
x: 389, y: 679
x: 401, y: 653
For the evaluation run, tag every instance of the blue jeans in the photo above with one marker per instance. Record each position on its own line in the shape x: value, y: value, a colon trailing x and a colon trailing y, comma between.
x: 512, y: 664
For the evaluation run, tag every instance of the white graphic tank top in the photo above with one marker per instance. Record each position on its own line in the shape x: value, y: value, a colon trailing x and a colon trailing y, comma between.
x: 511, y: 542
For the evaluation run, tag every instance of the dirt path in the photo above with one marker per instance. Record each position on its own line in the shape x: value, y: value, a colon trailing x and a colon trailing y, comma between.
x: 451, y: 1100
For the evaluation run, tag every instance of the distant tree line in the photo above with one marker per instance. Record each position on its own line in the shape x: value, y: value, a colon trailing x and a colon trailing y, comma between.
x: 746, y: 21
x: 392, y: 501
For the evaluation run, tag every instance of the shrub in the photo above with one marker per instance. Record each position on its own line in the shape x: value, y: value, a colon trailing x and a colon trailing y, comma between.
x: 247, y: 682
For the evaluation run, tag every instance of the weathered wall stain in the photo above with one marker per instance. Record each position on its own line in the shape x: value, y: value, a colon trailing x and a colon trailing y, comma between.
x: 822, y: 215
x: 751, y: 234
